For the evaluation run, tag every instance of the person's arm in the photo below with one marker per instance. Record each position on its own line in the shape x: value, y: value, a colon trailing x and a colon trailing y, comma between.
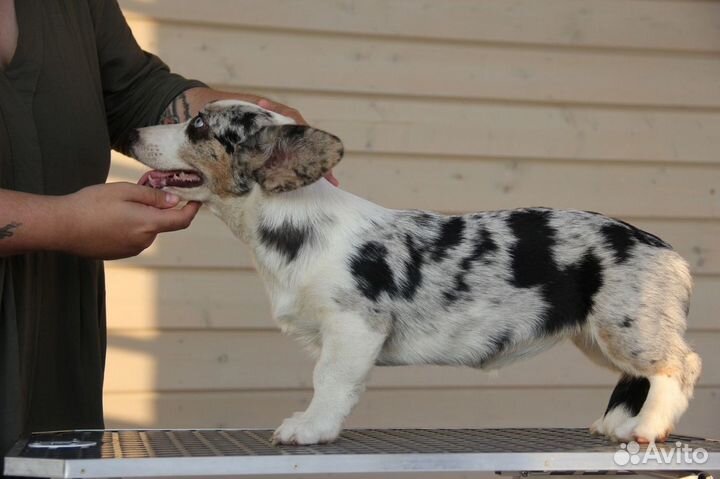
x: 188, y: 103
x: 103, y: 221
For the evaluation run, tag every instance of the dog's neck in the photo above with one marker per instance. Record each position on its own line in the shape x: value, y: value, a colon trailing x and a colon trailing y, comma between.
x: 320, y: 207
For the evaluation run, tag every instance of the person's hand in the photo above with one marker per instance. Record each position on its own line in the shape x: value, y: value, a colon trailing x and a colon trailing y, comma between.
x: 295, y: 115
x: 119, y: 220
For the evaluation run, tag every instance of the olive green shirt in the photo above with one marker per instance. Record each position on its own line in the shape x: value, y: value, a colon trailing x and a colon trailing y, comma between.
x: 77, y: 82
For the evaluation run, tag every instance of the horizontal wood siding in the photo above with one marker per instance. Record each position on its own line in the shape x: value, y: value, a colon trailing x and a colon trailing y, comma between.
x: 264, y: 58
x: 602, y: 105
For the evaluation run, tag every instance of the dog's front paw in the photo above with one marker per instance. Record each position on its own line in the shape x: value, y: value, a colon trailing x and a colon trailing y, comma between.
x: 304, y: 429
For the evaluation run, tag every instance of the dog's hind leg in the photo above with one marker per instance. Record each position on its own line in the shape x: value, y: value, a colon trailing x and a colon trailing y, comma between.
x: 638, y: 323
x: 671, y: 389
x: 627, y: 397
x: 652, y: 393
x: 349, y: 349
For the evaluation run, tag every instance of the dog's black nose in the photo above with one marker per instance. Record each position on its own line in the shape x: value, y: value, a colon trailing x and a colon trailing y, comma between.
x: 127, y: 141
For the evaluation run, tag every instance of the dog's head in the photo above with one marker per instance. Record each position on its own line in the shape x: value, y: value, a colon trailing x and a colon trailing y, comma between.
x: 231, y: 147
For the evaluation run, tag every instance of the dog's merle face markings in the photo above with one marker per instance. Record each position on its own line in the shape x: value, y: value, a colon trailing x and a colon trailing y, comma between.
x: 234, y: 145
x: 229, y: 140
x: 198, y: 129
x: 284, y: 158
x: 240, y: 125
x: 248, y: 120
x: 213, y: 138
x: 287, y: 239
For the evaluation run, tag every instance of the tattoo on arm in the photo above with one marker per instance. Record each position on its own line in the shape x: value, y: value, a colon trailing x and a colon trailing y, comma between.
x: 7, y: 230
x: 177, y: 111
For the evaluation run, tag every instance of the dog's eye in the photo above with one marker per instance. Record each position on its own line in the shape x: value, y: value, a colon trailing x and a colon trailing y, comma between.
x: 198, y: 122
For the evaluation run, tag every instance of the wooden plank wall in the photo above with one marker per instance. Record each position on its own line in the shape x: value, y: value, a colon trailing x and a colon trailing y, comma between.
x: 605, y: 105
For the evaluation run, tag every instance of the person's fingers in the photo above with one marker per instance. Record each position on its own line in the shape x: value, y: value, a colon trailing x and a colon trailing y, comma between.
x: 331, y: 178
x: 282, y: 109
x: 177, y: 219
x: 150, y: 196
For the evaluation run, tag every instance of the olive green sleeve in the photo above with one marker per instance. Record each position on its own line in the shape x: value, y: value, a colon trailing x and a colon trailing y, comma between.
x: 137, y: 86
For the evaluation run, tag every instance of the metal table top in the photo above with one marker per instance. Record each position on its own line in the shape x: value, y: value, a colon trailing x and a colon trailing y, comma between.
x: 150, y: 453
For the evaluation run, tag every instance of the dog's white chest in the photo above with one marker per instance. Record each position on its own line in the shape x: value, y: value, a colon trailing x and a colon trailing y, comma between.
x: 291, y: 311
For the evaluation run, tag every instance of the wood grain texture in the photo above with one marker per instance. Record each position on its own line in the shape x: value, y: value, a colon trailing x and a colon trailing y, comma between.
x: 283, y: 59
x: 235, y: 360
x: 666, y: 25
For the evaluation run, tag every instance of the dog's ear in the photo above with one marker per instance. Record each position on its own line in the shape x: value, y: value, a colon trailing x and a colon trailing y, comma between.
x: 287, y: 157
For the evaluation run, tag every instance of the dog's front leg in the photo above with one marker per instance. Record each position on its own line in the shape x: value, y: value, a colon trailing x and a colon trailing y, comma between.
x: 349, y: 349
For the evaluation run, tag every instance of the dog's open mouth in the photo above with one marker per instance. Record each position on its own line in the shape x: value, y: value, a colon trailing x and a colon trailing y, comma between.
x: 177, y: 178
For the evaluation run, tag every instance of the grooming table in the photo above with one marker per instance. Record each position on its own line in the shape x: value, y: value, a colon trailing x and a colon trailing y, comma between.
x: 239, y: 452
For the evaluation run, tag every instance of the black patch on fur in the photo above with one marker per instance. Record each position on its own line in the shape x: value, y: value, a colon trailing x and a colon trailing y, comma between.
x: 294, y: 132
x: 197, y: 134
x: 287, y: 239
x: 229, y: 139
x: 569, y: 293
x: 532, y: 261
x: 244, y: 120
x: 619, y: 239
x: 622, y: 237
x: 630, y: 392
x: 484, y: 244
x: 371, y: 271
x: 644, y: 237
x: 413, y: 269
x: 451, y: 234
x: 627, y: 322
x: 451, y: 297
